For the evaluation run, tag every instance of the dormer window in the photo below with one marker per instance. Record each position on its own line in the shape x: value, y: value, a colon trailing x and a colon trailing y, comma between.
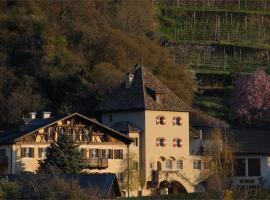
x: 177, y: 142
x: 157, y: 98
x: 161, y: 142
x: 177, y: 121
x: 160, y: 120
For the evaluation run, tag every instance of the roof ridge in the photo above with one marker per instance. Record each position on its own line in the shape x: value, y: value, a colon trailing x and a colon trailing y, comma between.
x: 142, y: 74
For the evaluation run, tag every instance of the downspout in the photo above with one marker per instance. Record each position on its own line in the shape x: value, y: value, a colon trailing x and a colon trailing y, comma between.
x: 128, y: 168
x: 12, y: 159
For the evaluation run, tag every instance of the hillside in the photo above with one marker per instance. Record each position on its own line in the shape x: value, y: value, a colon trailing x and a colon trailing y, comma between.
x: 219, y: 40
x: 63, y: 56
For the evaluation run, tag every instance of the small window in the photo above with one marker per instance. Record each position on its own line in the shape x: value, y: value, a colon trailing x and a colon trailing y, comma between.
x: 254, y: 167
x: 27, y: 152
x: 177, y: 142
x: 161, y: 142
x: 42, y: 152
x: 169, y: 164
x: 135, y: 165
x: 207, y: 165
x: 177, y: 121
x: 240, y: 167
x: 94, y: 153
x: 160, y: 120
x: 118, y: 154
x: 197, y: 164
x: 179, y: 164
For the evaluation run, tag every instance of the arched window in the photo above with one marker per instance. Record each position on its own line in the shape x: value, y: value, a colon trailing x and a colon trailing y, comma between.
x: 169, y: 164
x: 179, y: 164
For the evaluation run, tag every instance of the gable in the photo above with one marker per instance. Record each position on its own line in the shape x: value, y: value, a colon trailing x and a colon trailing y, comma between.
x: 82, y: 129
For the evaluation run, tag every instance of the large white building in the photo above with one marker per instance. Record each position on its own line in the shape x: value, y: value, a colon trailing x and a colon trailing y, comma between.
x: 169, y: 150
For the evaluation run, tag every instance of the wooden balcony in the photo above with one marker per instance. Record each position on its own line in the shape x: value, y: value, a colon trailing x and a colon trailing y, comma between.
x: 3, y: 161
x: 96, y: 163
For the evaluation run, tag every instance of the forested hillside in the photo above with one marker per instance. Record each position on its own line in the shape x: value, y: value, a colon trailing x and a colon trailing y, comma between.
x: 64, y: 56
x: 218, y: 39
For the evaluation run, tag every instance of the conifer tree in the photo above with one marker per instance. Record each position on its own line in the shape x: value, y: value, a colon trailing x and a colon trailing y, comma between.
x: 63, y: 156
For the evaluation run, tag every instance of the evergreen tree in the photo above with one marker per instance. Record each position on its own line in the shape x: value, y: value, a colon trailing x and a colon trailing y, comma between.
x: 63, y: 156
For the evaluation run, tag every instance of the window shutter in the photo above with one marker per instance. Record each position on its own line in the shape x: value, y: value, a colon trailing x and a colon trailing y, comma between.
x: 181, y: 121
x: 157, y: 120
x: 121, y: 156
x: 180, y: 140
x: 23, y: 152
x: 164, y: 121
x: 110, y: 154
x: 40, y: 152
x: 157, y: 141
x: 90, y: 153
x: 31, y: 150
x: 174, y: 120
x: 84, y: 153
x: 164, y: 142
x: 174, y: 142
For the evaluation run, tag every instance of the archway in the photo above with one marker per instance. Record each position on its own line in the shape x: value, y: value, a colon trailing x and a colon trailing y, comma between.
x: 163, y: 187
x: 176, y: 187
x: 159, y: 166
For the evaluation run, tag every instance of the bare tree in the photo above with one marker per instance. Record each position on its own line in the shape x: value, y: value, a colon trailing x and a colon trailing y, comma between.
x: 221, y: 153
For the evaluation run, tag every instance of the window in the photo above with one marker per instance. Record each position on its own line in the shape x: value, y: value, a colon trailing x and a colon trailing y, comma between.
x: 135, y: 165
x: 118, y: 154
x: 27, y: 152
x: 161, y: 142
x: 94, y: 153
x: 179, y: 164
x: 120, y: 177
x: 207, y: 165
x: 110, y: 153
x: 197, y: 164
x: 177, y: 121
x: 160, y: 120
x: 177, y: 142
x: 169, y: 164
x: 42, y: 152
x: 254, y: 167
x: 240, y: 167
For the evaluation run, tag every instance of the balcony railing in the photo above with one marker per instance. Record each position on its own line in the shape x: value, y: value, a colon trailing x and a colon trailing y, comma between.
x: 96, y: 163
x: 3, y: 160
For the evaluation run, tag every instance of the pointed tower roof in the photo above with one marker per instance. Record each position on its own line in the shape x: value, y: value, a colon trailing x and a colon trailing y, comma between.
x: 142, y: 91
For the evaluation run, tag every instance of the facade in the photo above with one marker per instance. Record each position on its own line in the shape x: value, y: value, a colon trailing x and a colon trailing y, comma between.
x: 165, y: 159
x: 104, y: 149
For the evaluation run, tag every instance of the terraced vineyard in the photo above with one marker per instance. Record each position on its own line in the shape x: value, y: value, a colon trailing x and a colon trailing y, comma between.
x: 218, y: 39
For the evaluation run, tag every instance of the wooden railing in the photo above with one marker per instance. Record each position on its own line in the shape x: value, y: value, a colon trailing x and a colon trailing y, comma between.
x: 97, y: 163
x: 3, y: 160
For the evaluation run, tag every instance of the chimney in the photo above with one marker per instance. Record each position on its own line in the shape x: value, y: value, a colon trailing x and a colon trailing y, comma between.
x: 129, y: 80
x: 32, y: 115
x: 46, y: 115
